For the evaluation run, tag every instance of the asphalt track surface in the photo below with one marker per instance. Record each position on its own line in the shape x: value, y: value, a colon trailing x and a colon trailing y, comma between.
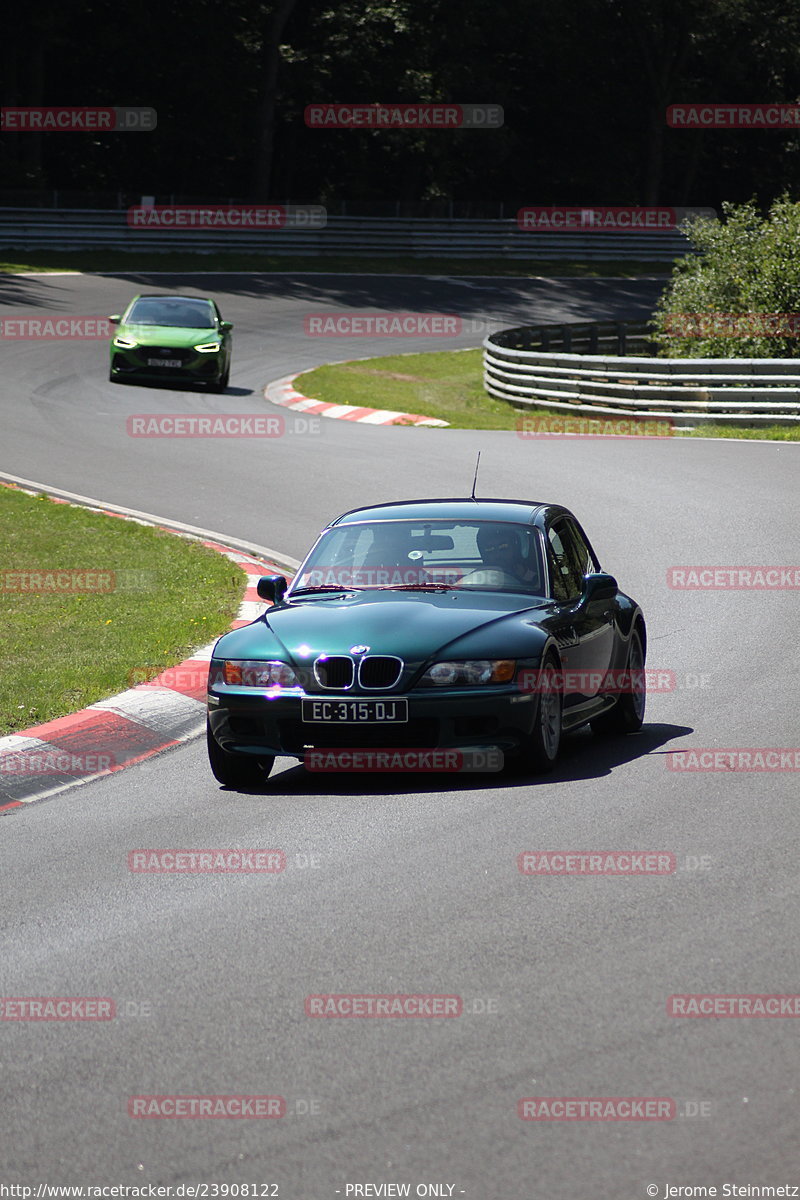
x: 411, y: 885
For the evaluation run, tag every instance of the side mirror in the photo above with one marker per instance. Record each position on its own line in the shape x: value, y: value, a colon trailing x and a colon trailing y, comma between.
x: 272, y: 587
x: 600, y: 586
x: 115, y: 319
x: 226, y: 325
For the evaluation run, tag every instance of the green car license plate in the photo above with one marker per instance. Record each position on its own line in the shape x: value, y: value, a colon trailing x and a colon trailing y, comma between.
x: 164, y: 362
x: 355, y: 712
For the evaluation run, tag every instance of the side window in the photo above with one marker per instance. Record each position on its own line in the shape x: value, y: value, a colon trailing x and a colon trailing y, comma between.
x: 564, y: 563
x: 580, y: 551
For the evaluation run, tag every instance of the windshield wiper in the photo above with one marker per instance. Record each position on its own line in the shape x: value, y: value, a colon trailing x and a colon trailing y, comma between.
x: 325, y: 587
x: 415, y: 587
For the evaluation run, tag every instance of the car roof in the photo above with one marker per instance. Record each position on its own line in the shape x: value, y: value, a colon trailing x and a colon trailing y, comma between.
x: 523, y: 512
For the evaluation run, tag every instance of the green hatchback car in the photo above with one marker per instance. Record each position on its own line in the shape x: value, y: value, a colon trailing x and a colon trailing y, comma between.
x: 171, y: 338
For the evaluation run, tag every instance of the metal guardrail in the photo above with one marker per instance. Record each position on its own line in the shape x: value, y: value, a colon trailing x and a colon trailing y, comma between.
x: 414, y: 237
x: 537, y: 366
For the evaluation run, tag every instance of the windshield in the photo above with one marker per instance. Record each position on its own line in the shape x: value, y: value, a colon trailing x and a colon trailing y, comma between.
x: 421, y: 555
x: 178, y: 312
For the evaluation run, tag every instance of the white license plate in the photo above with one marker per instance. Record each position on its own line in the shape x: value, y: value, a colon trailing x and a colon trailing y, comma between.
x: 164, y: 362
x: 355, y: 712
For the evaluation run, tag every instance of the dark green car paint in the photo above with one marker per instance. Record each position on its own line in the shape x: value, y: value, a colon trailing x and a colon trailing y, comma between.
x: 423, y: 627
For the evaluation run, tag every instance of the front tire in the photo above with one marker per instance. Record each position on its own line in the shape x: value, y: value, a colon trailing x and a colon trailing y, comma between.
x: 541, y: 750
x: 222, y: 382
x: 627, y: 715
x: 237, y: 771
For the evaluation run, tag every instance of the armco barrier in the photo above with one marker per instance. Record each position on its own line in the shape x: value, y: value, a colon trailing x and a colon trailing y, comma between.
x: 538, y: 366
x: 414, y: 237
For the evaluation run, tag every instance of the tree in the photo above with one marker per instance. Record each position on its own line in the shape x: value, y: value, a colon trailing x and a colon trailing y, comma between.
x: 739, y: 297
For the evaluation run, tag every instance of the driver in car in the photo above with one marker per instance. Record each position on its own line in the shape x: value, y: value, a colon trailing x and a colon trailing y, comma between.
x: 501, y: 550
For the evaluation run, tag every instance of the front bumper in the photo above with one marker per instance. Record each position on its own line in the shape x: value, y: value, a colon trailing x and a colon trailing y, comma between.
x: 258, y: 724
x: 195, y: 367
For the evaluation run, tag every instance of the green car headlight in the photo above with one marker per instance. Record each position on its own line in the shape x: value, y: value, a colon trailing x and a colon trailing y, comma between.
x: 209, y: 347
x: 470, y: 672
x: 125, y: 343
x: 251, y: 673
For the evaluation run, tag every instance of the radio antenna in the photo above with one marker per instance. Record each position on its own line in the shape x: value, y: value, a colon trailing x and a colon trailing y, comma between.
x: 475, y: 480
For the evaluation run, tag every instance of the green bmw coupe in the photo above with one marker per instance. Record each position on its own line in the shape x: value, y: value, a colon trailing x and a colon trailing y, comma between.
x: 429, y: 634
x: 180, y: 339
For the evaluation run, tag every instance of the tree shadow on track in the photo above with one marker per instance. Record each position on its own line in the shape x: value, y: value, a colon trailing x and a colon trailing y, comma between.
x: 36, y: 292
x: 509, y: 299
x: 584, y: 756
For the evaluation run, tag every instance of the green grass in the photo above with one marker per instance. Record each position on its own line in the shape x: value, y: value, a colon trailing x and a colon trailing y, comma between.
x: 62, y: 652
x: 122, y: 263
x: 449, y: 385
x: 446, y: 385
x: 771, y: 433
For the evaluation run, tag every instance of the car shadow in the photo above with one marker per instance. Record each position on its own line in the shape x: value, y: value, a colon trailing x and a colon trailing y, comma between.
x: 180, y: 385
x: 583, y: 756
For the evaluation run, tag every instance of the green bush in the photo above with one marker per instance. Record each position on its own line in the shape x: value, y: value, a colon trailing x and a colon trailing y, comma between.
x: 747, y: 265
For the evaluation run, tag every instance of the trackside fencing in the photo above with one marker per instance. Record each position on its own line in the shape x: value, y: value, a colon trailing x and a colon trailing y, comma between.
x: 604, y: 369
x: 412, y: 237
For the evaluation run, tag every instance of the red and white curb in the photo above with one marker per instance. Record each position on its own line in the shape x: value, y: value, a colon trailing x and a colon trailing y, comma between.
x: 125, y: 729
x: 281, y: 392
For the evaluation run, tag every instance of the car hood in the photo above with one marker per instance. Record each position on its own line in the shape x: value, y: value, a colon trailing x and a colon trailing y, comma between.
x: 178, y: 336
x: 412, y: 626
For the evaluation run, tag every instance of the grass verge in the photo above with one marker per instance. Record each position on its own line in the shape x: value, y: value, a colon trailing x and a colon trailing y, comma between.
x: 64, y: 651
x: 449, y: 385
x: 121, y: 263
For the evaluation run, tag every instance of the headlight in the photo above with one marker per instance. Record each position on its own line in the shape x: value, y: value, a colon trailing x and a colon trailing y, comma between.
x: 125, y: 343
x: 250, y: 673
x: 209, y: 347
x: 470, y: 672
